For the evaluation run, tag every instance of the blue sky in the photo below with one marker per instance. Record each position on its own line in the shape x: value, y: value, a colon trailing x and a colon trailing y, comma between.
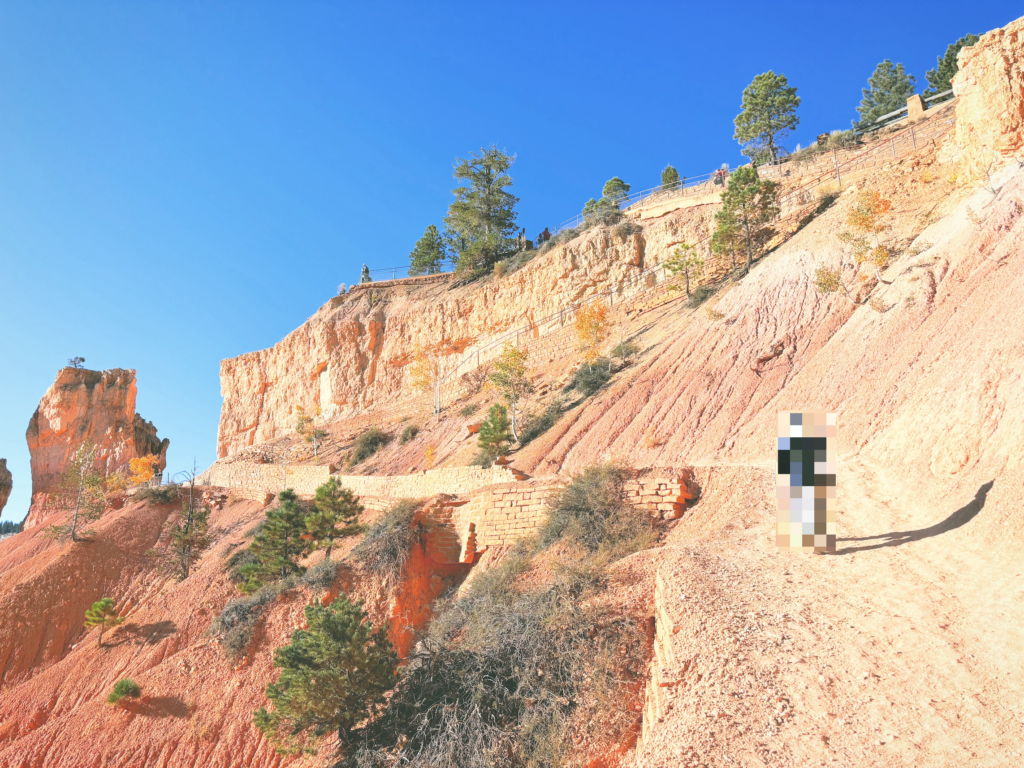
x: 182, y: 182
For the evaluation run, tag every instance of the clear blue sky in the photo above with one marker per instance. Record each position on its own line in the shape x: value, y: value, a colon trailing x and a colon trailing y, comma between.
x: 182, y: 182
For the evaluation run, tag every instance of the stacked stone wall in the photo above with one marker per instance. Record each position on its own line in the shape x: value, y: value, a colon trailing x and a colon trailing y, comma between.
x: 249, y: 480
x: 458, y: 481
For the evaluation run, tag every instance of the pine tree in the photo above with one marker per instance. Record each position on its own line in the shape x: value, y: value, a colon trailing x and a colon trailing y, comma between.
x: 888, y: 90
x: 102, y: 614
x: 509, y: 377
x: 615, y: 190
x: 278, y: 545
x: 333, y: 506
x: 79, y: 493
x: 749, y: 206
x: 495, y: 433
x: 429, y: 253
x: 333, y: 675
x: 769, y: 113
x: 686, y: 262
x: 482, y: 221
x: 940, y: 79
x: 669, y: 178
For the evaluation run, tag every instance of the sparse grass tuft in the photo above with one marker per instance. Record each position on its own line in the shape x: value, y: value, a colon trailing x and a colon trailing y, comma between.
x: 367, y: 444
x: 408, y: 434
x: 626, y: 230
x: 538, y: 425
x: 701, y: 294
x: 160, y: 494
x: 590, y: 378
x: 322, y: 575
x: 468, y: 410
x: 239, y: 619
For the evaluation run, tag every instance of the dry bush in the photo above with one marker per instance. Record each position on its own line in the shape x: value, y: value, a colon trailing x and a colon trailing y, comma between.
x: 591, y: 511
x: 512, y: 678
x: 161, y: 494
x: 239, y: 619
x: 367, y: 444
x: 476, y: 379
x: 387, y: 545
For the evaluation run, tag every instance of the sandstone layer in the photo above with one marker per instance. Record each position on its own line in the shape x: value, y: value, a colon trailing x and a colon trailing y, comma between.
x: 81, y: 405
x: 990, y: 112
x: 354, y: 353
x: 6, y: 483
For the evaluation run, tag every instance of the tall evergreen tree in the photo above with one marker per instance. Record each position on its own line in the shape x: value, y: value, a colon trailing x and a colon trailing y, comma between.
x: 335, y: 516
x: 482, y: 220
x: 888, y: 90
x: 940, y: 79
x: 749, y: 206
x: 615, y: 190
x: 669, y: 178
x: 278, y: 545
x: 333, y: 675
x: 429, y: 253
x: 768, y: 114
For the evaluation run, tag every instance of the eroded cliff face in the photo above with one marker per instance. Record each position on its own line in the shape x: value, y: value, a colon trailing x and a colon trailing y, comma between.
x: 6, y: 483
x: 81, y: 405
x: 990, y: 111
x: 353, y: 354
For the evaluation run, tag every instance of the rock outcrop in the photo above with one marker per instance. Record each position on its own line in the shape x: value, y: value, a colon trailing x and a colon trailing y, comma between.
x: 990, y: 112
x: 6, y: 482
x: 353, y: 354
x: 87, y: 405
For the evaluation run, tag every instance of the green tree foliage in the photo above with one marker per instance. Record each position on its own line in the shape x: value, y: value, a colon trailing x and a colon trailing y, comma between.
x: 333, y: 675
x: 124, y: 689
x: 510, y: 377
x: 888, y: 90
x: 687, y: 262
x: 429, y: 253
x: 482, y: 220
x: 335, y: 516
x: 750, y: 205
x: 669, y: 177
x: 940, y: 79
x: 495, y: 434
x: 278, y: 545
x: 102, y: 614
x: 79, y: 493
x: 190, y: 537
x: 615, y: 190
x: 768, y: 114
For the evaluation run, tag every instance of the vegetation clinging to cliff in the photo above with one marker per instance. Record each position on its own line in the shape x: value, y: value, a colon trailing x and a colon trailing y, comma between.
x: 367, y: 444
x: 514, y: 675
x: 387, y: 545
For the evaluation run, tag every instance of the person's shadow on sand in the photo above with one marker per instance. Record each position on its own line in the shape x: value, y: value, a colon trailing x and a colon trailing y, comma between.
x: 961, y: 517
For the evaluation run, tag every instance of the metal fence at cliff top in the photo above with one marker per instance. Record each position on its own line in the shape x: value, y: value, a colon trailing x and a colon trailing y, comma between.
x: 907, y: 139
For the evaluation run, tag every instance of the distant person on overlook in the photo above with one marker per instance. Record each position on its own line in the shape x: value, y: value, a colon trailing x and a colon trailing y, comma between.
x: 365, y: 276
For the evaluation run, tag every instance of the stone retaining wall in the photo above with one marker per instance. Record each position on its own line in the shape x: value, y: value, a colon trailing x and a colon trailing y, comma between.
x: 249, y: 480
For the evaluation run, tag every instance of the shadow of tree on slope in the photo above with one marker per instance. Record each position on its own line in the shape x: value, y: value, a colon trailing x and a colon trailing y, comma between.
x: 959, y: 518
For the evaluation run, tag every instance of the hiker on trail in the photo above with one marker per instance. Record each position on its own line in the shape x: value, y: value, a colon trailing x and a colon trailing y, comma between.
x: 365, y: 276
x: 546, y: 235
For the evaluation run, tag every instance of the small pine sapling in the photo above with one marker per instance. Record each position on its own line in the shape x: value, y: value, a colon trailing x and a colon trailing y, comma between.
x: 495, y: 435
x: 335, y: 516
x: 124, y: 689
x: 686, y: 262
x: 102, y: 614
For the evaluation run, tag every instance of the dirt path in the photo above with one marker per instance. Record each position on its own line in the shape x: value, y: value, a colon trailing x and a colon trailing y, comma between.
x: 903, y: 648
